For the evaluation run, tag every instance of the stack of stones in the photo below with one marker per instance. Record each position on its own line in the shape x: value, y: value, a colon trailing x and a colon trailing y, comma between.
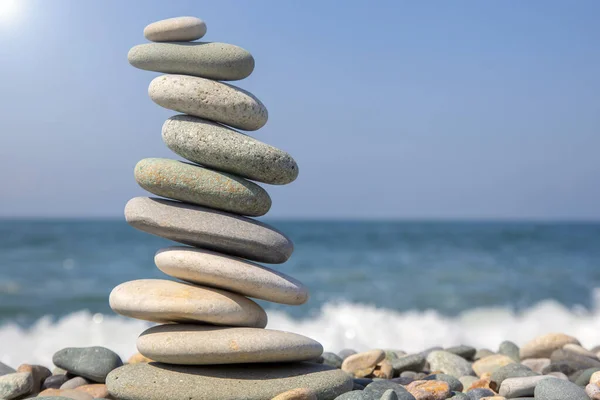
x: 211, y: 343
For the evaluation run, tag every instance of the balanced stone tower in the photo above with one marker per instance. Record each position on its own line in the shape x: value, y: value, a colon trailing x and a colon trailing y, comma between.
x: 211, y: 341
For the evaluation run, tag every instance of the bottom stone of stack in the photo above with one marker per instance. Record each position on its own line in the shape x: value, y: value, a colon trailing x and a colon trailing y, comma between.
x: 157, y: 381
x: 206, y: 345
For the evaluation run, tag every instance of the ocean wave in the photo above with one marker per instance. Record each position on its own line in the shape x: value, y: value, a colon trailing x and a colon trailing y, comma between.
x: 337, y: 325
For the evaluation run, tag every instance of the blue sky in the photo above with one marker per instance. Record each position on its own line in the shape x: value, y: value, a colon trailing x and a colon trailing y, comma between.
x: 392, y: 109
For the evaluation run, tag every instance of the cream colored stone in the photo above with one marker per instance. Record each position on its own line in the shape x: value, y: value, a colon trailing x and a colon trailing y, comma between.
x: 543, y: 346
x: 595, y: 378
x: 363, y: 361
x: 217, y: 270
x: 491, y: 363
x: 178, y: 29
x: 208, y: 345
x: 168, y: 301
x: 212, y: 100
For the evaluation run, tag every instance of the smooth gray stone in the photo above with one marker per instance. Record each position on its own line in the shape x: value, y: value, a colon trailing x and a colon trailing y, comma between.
x: 93, y: 363
x: 202, y: 186
x: 208, y: 99
x: 519, y: 387
x: 210, y: 229
x: 566, y: 367
x: 375, y: 390
x: 389, y: 395
x: 345, y: 353
x: 454, y: 383
x: 510, y: 349
x: 466, y: 352
x: 217, y: 146
x: 584, y: 377
x: 5, y: 369
x: 558, y: 389
x: 15, y: 385
x: 54, y: 381
x: 184, y: 29
x: 449, y: 363
x: 459, y: 396
x: 155, y: 381
x: 363, y: 381
x: 565, y: 355
x: 352, y: 395
x: 332, y: 359
x: 412, y: 362
x: 476, y: 394
x: 509, y: 371
x: 218, y: 61
x: 74, y: 383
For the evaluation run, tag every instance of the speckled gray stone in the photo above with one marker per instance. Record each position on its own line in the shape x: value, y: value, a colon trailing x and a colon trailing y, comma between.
x: 352, y: 395
x: 389, y: 395
x: 155, y: 381
x: 510, y: 349
x: 374, y: 391
x: 217, y: 270
x: 331, y: 359
x: 162, y: 301
x: 449, y: 363
x: 558, y: 389
x: 196, y: 185
x: 206, y: 345
x: 224, y: 149
x: 477, y: 394
x: 212, y: 100
x: 210, y: 229
x: 93, y: 363
x: 509, y: 371
x: 219, y: 61
x: 15, y: 385
x: 412, y: 362
x: 178, y: 29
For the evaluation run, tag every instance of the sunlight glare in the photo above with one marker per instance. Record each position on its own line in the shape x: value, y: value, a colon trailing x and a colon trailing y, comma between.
x: 8, y: 9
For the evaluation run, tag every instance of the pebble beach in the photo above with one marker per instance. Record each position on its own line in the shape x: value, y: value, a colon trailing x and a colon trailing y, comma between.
x: 207, y: 315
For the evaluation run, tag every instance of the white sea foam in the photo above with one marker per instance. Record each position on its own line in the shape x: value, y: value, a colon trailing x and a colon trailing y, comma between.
x: 337, y: 326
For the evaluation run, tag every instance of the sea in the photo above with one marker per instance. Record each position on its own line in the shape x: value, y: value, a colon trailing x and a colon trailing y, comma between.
x: 405, y: 285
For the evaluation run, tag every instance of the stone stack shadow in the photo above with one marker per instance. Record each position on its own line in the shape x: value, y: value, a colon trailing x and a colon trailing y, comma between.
x: 211, y: 341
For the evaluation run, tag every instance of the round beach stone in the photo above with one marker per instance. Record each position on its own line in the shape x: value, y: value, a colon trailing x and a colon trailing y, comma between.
x: 212, y: 100
x: 543, y: 346
x: 209, y: 229
x: 219, y: 61
x: 206, y: 345
x: 449, y: 363
x: 219, y: 147
x: 558, y: 389
x: 156, y: 381
x: 362, y: 364
x: 92, y: 363
x: 217, y: 270
x: 163, y: 301
x: 193, y: 184
x: 178, y: 29
x: 491, y: 363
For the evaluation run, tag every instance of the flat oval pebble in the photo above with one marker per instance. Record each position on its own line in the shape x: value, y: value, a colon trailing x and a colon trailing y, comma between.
x: 542, y: 346
x: 217, y: 270
x: 205, y: 98
x: 219, y: 147
x: 449, y: 363
x: 162, y: 301
x: 210, y: 229
x: 219, y: 61
x: 178, y: 29
x: 362, y: 364
x: 92, y: 363
x: 156, y: 381
x: 206, y: 345
x: 193, y: 184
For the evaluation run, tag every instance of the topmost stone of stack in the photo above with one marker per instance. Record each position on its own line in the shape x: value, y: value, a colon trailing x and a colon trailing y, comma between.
x: 179, y: 29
